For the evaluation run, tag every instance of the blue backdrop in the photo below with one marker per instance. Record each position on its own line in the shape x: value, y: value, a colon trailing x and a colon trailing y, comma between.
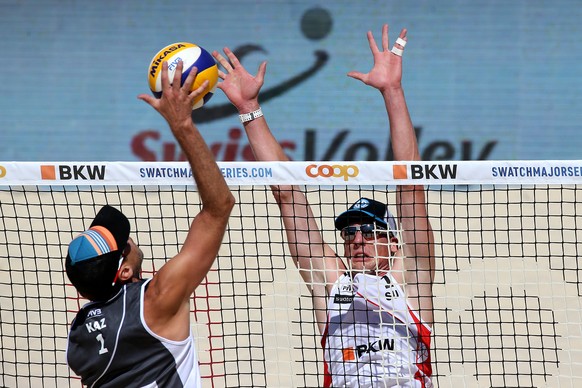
x: 484, y: 79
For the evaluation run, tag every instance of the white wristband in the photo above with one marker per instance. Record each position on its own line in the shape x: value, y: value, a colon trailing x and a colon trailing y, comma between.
x: 246, y: 117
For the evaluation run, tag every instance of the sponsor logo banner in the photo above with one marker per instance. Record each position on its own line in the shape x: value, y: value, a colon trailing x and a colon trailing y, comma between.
x: 299, y: 173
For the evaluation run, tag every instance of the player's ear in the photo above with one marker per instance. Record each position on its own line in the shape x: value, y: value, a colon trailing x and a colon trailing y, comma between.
x: 125, y: 272
x: 393, y: 245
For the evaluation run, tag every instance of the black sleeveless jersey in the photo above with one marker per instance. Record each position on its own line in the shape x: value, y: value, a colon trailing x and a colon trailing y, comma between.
x: 110, y: 345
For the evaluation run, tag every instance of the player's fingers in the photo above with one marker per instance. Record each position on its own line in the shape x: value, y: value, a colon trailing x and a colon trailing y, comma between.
x: 200, y: 90
x: 372, y: 42
x: 223, y: 62
x: 147, y: 98
x: 189, y: 80
x: 357, y: 75
x: 165, y: 80
x: 176, y: 82
x: 261, y: 72
x: 233, y: 59
x: 402, y: 39
x: 385, y: 41
x: 398, y: 48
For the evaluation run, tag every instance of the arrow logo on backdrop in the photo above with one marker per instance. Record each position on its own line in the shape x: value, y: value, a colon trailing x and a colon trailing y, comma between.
x: 205, y: 114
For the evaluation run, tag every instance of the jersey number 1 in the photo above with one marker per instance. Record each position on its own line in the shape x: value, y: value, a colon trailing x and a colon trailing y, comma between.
x: 103, y: 349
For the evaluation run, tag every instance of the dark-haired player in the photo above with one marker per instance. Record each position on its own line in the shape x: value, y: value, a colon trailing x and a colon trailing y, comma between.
x: 134, y: 332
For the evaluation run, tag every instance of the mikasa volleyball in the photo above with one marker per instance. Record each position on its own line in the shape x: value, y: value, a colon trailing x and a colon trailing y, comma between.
x: 193, y: 56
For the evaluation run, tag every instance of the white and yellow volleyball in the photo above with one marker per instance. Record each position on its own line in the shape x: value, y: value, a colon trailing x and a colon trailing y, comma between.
x: 193, y: 56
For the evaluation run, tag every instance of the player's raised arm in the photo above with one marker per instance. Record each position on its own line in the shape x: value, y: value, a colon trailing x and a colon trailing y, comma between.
x: 140, y: 331
x: 417, y: 234
x: 167, y: 298
x: 316, y: 260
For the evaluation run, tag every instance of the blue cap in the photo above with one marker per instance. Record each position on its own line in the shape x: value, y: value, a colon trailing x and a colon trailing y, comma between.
x: 94, y: 242
x: 367, y: 210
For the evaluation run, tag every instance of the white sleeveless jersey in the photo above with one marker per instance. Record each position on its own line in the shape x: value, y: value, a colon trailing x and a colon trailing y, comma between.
x: 372, y: 337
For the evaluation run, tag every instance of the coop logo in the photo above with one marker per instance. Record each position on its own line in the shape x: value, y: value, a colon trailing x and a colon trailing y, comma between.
x: 2, y: 171
x: 425, y: 171
x: 345, y: 171
x: 66, y: 172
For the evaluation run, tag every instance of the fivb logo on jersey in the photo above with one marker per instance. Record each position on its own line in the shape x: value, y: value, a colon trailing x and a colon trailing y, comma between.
x: 73, y: 172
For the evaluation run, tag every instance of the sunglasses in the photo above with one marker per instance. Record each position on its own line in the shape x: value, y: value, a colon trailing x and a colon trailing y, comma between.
x: 369, y: 232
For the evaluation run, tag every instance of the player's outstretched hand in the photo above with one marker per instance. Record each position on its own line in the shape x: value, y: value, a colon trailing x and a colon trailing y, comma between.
x: 240, y: 87
x: 175, y: 105
x: 387, y: 69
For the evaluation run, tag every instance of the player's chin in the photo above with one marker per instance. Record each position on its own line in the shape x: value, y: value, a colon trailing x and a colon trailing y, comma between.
x: 362, y: 262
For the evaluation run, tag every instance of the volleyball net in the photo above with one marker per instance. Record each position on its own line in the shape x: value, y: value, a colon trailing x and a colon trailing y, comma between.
x: 507, y: 292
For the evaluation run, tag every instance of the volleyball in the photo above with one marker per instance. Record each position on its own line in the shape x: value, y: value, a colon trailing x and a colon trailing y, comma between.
x: 192, y: 56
